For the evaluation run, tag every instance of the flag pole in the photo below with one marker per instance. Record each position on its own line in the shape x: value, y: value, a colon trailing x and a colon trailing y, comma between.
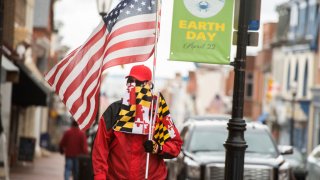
x: 153, y: 119
x: 153, y: 115
x: 155, y: 44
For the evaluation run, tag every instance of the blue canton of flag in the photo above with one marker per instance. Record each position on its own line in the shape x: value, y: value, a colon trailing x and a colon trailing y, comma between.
x: 129, y: 8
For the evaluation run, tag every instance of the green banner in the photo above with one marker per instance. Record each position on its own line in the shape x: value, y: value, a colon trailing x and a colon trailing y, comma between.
x: 202, y: 31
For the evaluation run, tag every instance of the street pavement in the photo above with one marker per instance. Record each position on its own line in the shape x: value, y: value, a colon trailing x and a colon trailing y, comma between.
x: 48, y: 167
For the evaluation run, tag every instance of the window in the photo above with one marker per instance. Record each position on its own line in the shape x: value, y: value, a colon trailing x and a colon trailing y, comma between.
x: 294, y: 19
x: 317, y: 126
x: 199, y: 143
x: 249, y: 85
x: 294, y: 14
x: 313, y: 9
x: 288, y: 77
x: 302, y: 20
x: 296, y: 72
x: 312, y: 26
x: 305, y: 79
x: 258, y: 140
x: 184, y: 134
x: 283, y: 25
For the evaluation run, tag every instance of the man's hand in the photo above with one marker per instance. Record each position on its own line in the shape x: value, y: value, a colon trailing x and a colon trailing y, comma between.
x: 151, y: 146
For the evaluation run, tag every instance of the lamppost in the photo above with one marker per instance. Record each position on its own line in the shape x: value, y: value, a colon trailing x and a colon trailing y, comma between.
x: 85, y: 162
x: 1, y: 42
x: 294, y: 94
x: 235, y: 144
x: 103, y: 7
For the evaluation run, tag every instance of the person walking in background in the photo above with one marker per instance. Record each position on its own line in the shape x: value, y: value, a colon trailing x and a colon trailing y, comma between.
x: 216, y: 106
x: 177, y: 103
x: 73, y: 144
x: 121, y: 144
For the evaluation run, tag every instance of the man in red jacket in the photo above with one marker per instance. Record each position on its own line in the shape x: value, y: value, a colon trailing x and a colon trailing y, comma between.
x: 73, y: 144
x: 121, y: 143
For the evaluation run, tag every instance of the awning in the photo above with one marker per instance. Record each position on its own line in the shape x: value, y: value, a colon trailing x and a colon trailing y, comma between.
x: 9, y: 72
x: 29, y: 91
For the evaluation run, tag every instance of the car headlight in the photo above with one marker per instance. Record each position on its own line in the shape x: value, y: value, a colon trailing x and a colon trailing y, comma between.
x: 284, y: 172
x: 193, y: 171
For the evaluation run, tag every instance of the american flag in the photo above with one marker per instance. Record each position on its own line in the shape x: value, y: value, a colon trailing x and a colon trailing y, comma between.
x: 126, y: 35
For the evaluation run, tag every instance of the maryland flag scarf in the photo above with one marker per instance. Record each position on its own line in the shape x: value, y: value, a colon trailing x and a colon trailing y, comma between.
x: 135, y: 111
x: 164, y: 127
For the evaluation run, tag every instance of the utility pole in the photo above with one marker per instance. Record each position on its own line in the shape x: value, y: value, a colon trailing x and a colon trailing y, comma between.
x: 235, y: 144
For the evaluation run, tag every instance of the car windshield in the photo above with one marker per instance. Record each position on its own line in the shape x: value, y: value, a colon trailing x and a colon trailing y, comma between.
x: 212, y: 138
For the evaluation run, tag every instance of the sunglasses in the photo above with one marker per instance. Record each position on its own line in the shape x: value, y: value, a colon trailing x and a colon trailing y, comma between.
x: 138, y: 83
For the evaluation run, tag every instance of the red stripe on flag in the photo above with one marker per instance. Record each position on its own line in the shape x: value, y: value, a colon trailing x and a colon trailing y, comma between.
x: 60, y: 65
x: 126, y: 60
x: 130, y: 43
x: 85, y: 113
x: 70, y: 56
x: 83, y: 99
x: 121, y: 45
x: 74, y: 70
x: 79, y: 79
x: 131, y: 28
x: 123, y: 60
x: 79, y: 57
x: 88, y: 108
x: 79, y: 101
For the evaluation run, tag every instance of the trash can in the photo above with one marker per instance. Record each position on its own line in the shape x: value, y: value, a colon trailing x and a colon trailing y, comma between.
x: 26, y: 148
x: 85, y: 168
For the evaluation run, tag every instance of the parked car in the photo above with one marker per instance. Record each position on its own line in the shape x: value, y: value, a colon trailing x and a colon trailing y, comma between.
x: 313, y: 164
x: 297, y: 163
x: 203, y: 153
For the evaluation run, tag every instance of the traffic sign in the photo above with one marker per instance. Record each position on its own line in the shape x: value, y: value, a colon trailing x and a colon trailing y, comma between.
x: 253, y: 38
x: 253, y: 10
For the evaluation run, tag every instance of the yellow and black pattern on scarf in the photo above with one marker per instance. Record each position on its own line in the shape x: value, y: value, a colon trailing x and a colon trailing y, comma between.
x: 143, y: 96
x: 161, y: 133
x: 163, y: 109
x: 127, y: 113
x: 126, y: 118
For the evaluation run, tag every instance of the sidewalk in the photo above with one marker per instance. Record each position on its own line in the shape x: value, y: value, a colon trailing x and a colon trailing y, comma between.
x: 49, y: 167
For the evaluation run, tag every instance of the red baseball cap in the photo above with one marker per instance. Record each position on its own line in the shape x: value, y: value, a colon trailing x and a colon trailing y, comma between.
x: 141, y: 73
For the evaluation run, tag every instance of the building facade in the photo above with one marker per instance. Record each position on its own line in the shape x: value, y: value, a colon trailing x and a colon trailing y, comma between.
x: 314, y: 125
x: 27, y: 44
x: 294, y: 59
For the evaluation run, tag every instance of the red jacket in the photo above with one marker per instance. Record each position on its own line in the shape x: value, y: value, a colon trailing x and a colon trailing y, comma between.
x: 74, y: 142
x: 118, y: 155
